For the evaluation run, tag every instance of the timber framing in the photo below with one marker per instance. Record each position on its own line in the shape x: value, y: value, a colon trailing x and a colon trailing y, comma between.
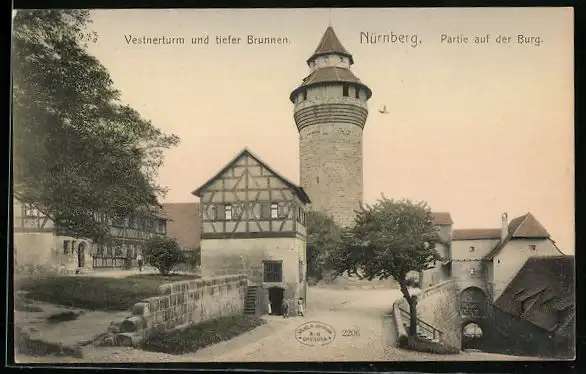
x: 249, y: 199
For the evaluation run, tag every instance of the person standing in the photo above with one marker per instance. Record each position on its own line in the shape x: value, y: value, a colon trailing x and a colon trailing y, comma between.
x: 140, y: 261
x: 285, y: 308
x: 300, y: 307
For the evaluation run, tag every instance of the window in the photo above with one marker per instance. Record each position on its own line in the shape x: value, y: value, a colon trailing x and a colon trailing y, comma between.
x: 472, y: 273
x: 498, y: 261
x: 265, y: 211
x: 30, y: 211
x: 213, y: 213
x: 357, y: 92
x: 118, y: 222
x: 532, y: 247
x: 471, y: 249
x: 274, y: 211
x: 228, y: 212
x: 66, y: 246
x: 304, y: 95
x: 131, y: 222
x: 72, y: 246
x: 341, y: 59
x: 301, y: 271
x: 345, y: 90
x: 273, y: 271
x: 162, y: 226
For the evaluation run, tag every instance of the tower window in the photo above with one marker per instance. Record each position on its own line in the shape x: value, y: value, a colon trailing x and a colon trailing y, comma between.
x: 357, y: 92
x: 304, y: 95
x: 345, y: 90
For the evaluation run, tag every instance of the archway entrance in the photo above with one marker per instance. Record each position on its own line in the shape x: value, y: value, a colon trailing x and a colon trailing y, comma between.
x: 473, y: 303
x: 472, y: 336
x: 275, y: 299
x: 81, y: 255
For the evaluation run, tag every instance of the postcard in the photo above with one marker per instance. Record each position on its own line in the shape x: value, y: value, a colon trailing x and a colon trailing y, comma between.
x: 307, y: 185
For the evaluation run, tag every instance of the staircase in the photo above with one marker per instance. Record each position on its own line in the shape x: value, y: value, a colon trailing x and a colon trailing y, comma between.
x: 425, y: 331
x: 250, y: 301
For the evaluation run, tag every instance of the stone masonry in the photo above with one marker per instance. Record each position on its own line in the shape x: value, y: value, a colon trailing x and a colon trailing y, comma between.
x: 438, y: 306
x: 179, y: 305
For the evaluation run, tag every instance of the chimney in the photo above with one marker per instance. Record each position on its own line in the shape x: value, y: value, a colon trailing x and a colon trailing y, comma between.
x: 504, y: 227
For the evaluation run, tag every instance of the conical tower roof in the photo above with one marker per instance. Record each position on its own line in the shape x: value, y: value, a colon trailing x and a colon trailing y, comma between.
x: 330, y: 44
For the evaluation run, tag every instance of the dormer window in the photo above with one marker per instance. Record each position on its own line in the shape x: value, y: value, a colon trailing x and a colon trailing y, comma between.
x: 274, y: 211
x: 345, y: 90
x: 228, y: 212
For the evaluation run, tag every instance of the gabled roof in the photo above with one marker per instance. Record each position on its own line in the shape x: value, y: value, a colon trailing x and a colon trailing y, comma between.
x: 328, y: 44
x: 476, y: 234
x: 442, y: 218
x: 550, y: 281
x: 295, y: 188
x: 184, y: 225
x: 524, y: 227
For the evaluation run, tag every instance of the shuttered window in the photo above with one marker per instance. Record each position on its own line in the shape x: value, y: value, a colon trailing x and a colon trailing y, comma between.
x: 265, y: 211
x: 221, y: 213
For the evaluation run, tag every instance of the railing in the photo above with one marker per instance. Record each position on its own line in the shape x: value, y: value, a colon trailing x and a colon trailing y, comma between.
x: 423, y: 326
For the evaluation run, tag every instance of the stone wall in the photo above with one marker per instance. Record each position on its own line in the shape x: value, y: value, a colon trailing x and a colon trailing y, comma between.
x: 179, y: 305
x: 438, y: 306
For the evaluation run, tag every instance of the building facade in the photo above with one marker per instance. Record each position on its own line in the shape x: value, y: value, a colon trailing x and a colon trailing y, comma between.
x: 183, y: 225
x: 330, y: 113
x: 484, y: 262
x: 39, y: 242
x: 253, y: 222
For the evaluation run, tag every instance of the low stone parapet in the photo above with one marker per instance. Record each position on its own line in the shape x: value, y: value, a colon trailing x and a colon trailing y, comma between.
x: 179, y: 305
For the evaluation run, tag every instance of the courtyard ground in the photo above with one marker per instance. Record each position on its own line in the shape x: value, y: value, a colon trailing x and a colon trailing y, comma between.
x: 360, y: 308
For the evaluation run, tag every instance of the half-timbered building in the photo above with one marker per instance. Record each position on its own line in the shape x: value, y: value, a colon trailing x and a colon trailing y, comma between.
x: 253, y: 221
x: 39, y: 242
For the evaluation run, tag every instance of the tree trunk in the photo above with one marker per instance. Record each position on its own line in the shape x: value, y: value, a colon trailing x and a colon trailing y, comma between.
x: 413, y: 316
x: 412, y: 301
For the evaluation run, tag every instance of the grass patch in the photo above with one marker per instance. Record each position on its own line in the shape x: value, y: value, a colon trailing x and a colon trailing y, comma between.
x: 27, y: 345
x: 174, y: 277
x: 202, y: 335
x: 96, y: 293
x: 418, y: 345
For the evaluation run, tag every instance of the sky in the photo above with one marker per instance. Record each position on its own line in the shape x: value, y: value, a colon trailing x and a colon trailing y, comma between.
x: 474, y: 129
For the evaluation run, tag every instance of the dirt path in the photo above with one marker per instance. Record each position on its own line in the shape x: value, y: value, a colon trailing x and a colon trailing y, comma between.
x: 365, y: 311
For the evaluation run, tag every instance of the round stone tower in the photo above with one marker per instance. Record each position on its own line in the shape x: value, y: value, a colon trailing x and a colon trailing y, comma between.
x: 330, y: 113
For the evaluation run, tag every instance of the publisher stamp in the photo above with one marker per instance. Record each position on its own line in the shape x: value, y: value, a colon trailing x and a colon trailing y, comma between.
x: 315, y: 333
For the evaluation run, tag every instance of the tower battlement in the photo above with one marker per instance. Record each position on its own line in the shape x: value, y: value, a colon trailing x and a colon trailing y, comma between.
x: 330, y: 113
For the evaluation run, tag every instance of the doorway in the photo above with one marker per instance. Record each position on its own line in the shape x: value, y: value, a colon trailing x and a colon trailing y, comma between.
x: 81, y: 255
x: 275, y: 299
x: 472, y: 335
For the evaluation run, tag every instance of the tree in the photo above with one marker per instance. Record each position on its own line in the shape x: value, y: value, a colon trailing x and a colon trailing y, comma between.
x: 163, y: 253
x: 79, y: 154
x: 390, y: 239
x: 323, y: 237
